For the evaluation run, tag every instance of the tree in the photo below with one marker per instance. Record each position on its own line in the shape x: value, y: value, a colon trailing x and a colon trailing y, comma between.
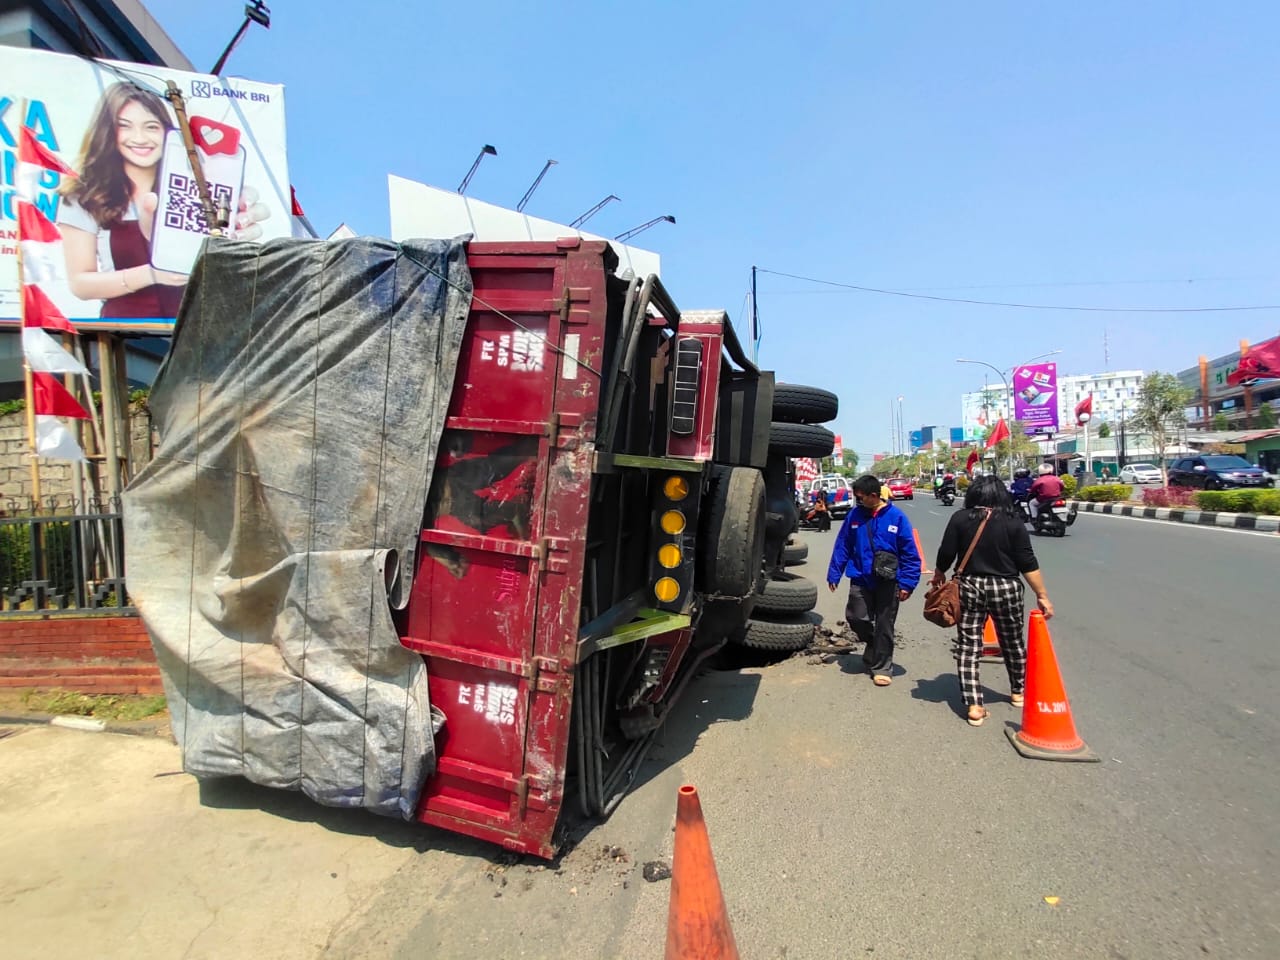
x: 1266, y: 416
x: 1104, y: 430
x: 1220, y: 421
x: 1162, y: 409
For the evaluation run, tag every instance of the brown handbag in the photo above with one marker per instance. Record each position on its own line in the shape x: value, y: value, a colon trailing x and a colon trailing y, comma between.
x: 942, y: 602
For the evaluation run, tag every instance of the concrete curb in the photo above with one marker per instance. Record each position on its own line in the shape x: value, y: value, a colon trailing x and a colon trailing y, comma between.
x: 1203, y: 518
x: 87, y: 724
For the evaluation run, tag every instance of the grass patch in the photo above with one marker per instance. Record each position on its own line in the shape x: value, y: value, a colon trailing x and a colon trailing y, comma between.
x: 99, y: 706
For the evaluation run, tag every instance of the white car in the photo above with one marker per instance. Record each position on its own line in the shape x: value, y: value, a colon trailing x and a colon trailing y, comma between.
x: 1140, y: 473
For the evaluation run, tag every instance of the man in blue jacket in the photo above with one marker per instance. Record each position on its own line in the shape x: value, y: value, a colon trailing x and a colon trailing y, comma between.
x: 876, y: 550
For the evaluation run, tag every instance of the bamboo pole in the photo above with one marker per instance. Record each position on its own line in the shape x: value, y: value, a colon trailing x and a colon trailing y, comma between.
x: 106, y: 371
x: 28, y: 379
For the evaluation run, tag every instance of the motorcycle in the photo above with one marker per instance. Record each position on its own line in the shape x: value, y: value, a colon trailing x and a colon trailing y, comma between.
x: 946, y: 493
x: 1052, y: 518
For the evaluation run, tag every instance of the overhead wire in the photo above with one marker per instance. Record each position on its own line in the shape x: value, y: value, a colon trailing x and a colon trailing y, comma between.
x: 1017, y: 306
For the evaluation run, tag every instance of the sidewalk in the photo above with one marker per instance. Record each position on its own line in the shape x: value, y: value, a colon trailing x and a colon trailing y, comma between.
x: 1204, y: 518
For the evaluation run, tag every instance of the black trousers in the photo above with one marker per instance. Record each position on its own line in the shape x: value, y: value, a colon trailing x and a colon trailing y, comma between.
x: 872, y: 613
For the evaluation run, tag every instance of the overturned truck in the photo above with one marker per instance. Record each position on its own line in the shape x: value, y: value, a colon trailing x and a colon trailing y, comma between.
x: 443, y: 530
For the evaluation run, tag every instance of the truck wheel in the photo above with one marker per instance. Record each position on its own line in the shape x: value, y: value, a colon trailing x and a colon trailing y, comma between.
x: 788, y: 594
x: 794, y: 554
x: 733, y: 539
x: 793, y: 403
x: 801, y: 440
x: 769, y: 635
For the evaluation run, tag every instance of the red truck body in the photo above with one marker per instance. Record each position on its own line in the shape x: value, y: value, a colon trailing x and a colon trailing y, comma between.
x: 537, y: 537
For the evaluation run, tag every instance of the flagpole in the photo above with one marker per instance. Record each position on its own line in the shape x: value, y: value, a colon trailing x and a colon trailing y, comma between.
x: 28, y: 379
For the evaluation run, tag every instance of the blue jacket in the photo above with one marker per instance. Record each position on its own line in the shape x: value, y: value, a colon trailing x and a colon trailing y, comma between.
x: 853, y: 554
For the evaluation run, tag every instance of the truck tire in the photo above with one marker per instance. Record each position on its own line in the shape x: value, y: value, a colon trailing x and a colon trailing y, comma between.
x: 794, y: 554
x: 771, y: 635
x: 733, y: 538
x: 793, y: 403
x: 787, y: 594
x: 801, y: 440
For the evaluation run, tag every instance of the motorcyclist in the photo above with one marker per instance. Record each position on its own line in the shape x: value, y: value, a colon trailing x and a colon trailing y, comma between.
x: 1021, y: 488
x: 947, y: 482
x: 1046, y: 489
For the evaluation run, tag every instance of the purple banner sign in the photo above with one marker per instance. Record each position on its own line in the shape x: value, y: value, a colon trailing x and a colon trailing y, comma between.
x: 1035, y: 398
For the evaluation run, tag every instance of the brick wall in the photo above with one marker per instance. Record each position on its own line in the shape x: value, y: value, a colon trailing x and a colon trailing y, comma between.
x: 89, y: 654
x: 56, y: 476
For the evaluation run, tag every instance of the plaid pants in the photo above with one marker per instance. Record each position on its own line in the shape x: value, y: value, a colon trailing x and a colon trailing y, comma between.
x: 1001, y: 599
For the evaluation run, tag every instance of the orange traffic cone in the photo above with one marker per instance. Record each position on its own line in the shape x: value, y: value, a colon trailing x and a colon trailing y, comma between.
x: 1048, y: 732
x: 924, y: 571
x: 697, y: 922
x: 990, y: 642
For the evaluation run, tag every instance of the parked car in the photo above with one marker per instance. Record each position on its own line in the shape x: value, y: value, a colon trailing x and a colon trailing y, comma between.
x: 836, y: 489
x: 1140, y: 473
x: 900, y: 488
x: 1216, y: 472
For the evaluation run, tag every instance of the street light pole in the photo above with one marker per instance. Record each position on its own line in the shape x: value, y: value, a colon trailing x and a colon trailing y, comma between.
x: 1009, y: 399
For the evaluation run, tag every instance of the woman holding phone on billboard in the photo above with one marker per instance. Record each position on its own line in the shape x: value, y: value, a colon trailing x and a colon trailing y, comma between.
x: 108, y: 214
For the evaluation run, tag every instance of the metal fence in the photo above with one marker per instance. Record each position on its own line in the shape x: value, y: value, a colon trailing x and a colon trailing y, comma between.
x: 62, y: 555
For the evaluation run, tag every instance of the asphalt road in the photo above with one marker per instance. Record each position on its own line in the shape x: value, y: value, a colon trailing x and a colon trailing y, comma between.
x: 846, y: 820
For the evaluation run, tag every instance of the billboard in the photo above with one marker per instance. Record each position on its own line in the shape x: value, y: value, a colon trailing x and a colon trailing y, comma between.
x: 1035, y: 398
x: 916, y: 440
x: 957, y: 436
x: 129, y: 225
x: 837, y: 451
x: 419, y: 210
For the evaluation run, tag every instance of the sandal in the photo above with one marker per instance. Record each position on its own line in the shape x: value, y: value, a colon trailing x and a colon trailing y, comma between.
x: 1016, y: 699
x: 976, y: 715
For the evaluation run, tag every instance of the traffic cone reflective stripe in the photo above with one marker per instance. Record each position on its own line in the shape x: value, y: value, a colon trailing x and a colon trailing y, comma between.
x: 697, y: 921
x: 1048, y: 731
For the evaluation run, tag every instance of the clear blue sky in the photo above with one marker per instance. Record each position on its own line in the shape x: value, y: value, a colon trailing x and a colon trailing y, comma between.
x: 1093, y: 154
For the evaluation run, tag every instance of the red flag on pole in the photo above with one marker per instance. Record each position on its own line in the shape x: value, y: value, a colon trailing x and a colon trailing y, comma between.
x: 1001, y: 432
x: 1260, y: 362
x: 52, y: 399
x: 1083, y: 407
x: 973, y: 459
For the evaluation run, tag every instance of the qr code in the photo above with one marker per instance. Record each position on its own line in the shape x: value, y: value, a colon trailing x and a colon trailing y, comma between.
x: 182, y: 211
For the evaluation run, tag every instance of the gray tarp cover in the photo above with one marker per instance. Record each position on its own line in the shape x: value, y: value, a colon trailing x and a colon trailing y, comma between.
x: 299, y: 410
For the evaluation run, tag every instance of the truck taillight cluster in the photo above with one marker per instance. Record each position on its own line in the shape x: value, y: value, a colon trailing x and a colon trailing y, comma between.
x: 671, y: 566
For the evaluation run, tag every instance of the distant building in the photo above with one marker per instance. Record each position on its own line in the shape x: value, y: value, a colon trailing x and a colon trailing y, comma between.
x: 1222, y: 397
x: 1114, y: 397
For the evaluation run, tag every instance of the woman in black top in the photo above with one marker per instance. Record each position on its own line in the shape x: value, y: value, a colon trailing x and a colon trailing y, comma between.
x: 989, y: 586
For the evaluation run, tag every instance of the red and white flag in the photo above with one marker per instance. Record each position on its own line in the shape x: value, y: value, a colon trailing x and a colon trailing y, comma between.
x: 806, y: 470
x: 39, y: 311
x: 35, y: 161
x: 51, y: 401
x: 54, y: 441
x: 46, y: 355
x: 1084, y: 407
x: 972, y: 461
x: 41, y: 245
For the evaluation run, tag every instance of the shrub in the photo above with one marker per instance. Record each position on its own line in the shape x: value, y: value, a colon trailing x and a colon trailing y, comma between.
x: 962, y: 483
x: 1068, y: 485
x: 1168, y: 497
x: 1105, y: 493
x: 1239, y: 501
